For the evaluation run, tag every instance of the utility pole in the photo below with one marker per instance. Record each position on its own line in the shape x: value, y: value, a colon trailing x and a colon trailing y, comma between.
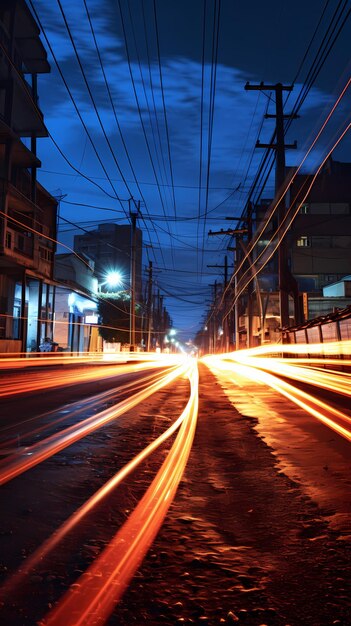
x: 225, y: 323
x: 231, y: 232
x: 133, y: 218
x: 284, y: 277
x: 213, y: 326
x: 225, y: 267
x: 160, y: 317
x: 236, y: 301
x: 149, y: 308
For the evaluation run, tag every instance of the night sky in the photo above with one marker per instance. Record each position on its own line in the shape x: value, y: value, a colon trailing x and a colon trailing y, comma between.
x: 177, y: 129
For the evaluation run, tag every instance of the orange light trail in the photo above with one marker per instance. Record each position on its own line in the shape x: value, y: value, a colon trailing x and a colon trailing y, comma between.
x: 250, y: 364
x: 93, y: 501
x: 39, y: 381
x: 331, y: 347
x: 102, y: 585
x: 314, y: 376
x: 82, y: 406
x: 22, y: 461
x: 20, y: 360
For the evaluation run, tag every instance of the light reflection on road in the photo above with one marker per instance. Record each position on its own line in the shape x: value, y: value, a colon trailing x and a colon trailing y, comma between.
x: 311, y: 455
x: 255, y: 365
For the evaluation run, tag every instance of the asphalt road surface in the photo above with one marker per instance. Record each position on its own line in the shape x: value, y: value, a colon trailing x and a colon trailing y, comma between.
x: 259, y: 530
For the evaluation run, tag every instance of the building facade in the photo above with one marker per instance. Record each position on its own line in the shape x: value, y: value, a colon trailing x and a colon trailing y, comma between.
x: 110, y: 248
x: 319, y: 240
x: 27, y: 210
x: 318, y: 245
x: 76, y: 318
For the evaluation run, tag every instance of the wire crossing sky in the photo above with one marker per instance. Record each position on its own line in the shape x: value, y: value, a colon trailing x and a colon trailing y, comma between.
x: 146, y: 102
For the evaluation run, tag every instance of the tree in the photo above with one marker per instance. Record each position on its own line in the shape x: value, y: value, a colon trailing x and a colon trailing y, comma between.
x: 114, y: 312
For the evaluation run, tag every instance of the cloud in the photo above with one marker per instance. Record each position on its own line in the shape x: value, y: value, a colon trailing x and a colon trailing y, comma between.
x: 237, y: 123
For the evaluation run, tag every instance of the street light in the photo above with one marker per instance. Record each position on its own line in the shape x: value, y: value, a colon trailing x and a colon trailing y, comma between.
x: 113, y: 279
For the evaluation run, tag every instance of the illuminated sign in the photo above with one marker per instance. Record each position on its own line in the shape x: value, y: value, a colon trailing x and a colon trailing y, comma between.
x: 91, y: 319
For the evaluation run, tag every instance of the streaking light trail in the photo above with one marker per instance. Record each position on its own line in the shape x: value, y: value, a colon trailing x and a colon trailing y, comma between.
x: 29, y: 457
x: 255, y: 365
x: 99, y: 589
x: 103, y: 492
x: 39, y: 381
x: 51, y: 420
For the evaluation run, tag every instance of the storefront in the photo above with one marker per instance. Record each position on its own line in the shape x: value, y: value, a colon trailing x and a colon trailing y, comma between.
x: 75, y: 324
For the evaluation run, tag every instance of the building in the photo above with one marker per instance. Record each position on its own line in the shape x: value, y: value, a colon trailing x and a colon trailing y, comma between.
x: 319, y: 240
x: 27, y: 210
x: 110, y: 248
x: 318, y: 244
x: 76, y: 319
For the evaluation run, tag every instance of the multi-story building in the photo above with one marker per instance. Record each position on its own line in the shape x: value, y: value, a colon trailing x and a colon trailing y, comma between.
x: 110, y: 248
x: 319, y: 240
x: 318, y: 245
x: 27, y: 210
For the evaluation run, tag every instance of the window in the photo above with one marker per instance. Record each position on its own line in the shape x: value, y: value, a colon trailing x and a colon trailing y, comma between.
x: 341, y: 241
x: 342, y: 208
x: 303, y: 241
x: 45, y: 254
x: 320, y: 208
x: 321, y: 241
x: 20, y: 243
x: 327, y: 208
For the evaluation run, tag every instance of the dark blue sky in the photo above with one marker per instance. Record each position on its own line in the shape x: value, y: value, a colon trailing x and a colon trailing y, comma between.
x: 201, y: 53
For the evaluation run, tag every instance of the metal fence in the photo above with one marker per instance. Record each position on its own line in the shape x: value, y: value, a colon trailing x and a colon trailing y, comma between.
x: 333, y: 327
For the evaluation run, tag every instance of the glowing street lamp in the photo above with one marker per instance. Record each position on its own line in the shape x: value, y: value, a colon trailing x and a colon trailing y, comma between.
x: 113, y: 279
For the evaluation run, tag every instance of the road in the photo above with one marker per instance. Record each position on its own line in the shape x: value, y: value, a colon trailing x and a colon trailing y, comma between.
x: 259, y: 521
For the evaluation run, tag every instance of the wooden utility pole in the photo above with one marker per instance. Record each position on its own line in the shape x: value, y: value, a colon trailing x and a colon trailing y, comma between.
x: 149, y: 308
x: 133, y: 218
x: 225, y: 323
x: 284, y: 276
x: 213, y: 319
x: 225, y: 267
x: 231, y: 232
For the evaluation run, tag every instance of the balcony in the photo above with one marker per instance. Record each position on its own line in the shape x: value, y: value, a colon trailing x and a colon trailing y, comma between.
x: 19, y: 242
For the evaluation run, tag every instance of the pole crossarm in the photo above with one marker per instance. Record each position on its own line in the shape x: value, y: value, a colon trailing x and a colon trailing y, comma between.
x: 238, y: 219
x: 293, y: 146
x: 286, y: 116
x: 264, y: 87
x: 229, y: 231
